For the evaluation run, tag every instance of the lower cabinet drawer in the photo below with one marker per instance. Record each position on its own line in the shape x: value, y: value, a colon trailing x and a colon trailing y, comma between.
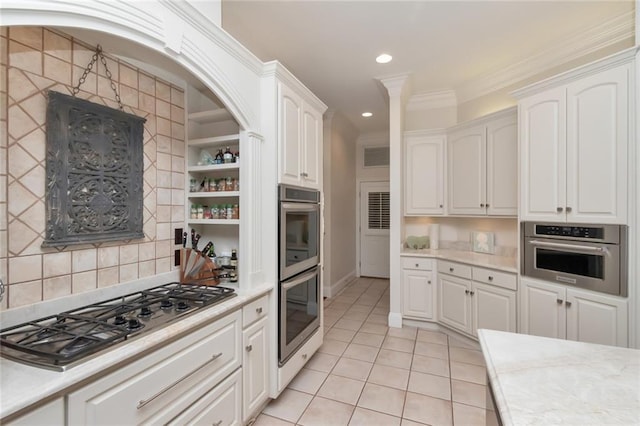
x: 254, y: 311
x: 496, y: 278
x: 156, y: 388
x: 424, y: 264
x: 220, y: 407
x: 455, y: 269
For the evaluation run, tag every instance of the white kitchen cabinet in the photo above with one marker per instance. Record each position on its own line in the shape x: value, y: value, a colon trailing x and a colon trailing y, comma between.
x: 418, y: 288
x: 471, y: 297
x: 552, y: 310
x: 424, y: 173
x: 574, y: 138
x: 221, y: 406
x: 160, y: 386
x: 300, y: 140
x: 482, y: 166
x: 52, y: 413
x: 255, y: 364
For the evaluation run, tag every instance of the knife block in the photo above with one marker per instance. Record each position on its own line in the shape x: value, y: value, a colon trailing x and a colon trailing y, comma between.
x: 196, y: 268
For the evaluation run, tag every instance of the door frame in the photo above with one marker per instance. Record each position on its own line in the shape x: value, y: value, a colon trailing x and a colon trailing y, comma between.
x: 359, y: 215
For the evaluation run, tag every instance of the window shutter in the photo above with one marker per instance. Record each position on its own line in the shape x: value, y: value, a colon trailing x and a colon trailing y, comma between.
x: 379, y: 210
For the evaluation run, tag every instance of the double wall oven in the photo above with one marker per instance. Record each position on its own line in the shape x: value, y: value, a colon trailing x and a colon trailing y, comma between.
x: 588, y: 256
x: 299, y: 271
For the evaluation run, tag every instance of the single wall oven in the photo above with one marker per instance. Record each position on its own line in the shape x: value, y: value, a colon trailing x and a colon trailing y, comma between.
x: 589, y: 256
x: 299, y: 272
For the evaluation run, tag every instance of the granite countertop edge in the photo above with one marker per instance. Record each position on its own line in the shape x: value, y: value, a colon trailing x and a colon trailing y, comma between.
x: 501, y: 263
x: 20, y: 377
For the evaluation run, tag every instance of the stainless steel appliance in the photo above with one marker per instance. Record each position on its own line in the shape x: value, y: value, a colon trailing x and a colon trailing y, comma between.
x: 299, y: 230
x: 593, y: 257
x: 60, y: 341
x: 299, y: 311
x: 299, y: 275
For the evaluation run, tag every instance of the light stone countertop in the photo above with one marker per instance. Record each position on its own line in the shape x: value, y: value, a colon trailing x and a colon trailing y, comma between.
x: 501, y: 263
x: 22, y: 385
x: 544, y: 381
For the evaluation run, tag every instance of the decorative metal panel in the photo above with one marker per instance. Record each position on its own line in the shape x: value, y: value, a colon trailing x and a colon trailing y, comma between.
x: 94, y: 173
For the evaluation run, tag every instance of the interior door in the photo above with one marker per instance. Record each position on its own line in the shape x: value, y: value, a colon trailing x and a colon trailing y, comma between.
x: 374, y: 229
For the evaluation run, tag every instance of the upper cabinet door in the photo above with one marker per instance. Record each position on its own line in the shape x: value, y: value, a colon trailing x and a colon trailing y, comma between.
x: 424, y: 175
x: 467, y: 171
x: 597, y: 145
x: 312, y: 148
x: 502, y: 167
x: 542, y: 121
x: 290, y: 113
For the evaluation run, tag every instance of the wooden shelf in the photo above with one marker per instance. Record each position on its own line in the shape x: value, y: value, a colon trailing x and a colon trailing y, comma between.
x: 215, y: 141
x: 210, y: 116
x: 214, y: 194
x: 213, y: 221
x: 214, y: 167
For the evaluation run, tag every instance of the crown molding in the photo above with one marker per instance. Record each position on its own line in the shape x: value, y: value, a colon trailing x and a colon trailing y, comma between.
x: 432, y: 100
x: 395, y: 84
x: 579, y: 45
x: 277, y: 70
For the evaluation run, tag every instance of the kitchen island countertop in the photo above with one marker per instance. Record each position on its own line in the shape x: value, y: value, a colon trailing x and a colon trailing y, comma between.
x: 543, y: 381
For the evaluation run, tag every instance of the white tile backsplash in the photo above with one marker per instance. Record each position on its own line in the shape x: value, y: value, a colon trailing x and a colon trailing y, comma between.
x: 54, y: 264
x: 83, y: 260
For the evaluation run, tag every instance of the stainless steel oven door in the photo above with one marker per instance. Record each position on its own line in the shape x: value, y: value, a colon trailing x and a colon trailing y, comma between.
x: 299, y: 311
x: 299, y: 237
x: 592, y: 266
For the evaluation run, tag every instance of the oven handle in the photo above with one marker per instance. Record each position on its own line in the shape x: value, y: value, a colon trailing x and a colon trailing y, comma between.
x: 144, y: 402
x: 300, y: 207
x: 567, y: 246
x: 299, y: 280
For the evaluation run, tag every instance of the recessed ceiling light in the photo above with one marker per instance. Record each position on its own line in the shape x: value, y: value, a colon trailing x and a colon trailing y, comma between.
x: 367, y: 114
x: 384, y: 58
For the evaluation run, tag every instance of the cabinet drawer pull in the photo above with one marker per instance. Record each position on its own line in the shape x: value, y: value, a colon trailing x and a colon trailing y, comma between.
x: 471, y: 293
x: 144, y: 402
x: 249, y: 348
x: 417, y: 265
x: 490, y: 278
x: 466, y: 292
x: 481, y: 205
x: 440, y: 205
x: 304, y: 356
x: 568, y: 209
x: 450, y: 269
x: 567, y: 303
x: 258, y: 310
x: 429, y: 282
x: 487, y: 205
x: 559, y: 209
x: 559, y: 301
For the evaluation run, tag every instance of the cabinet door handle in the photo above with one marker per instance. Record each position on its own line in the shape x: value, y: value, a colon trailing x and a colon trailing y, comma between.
x: 487, y: 205
x: 568, y: 304
x: 144, y: 402
x: 471, y: 293
x: 440, y: 205
x: 304, y: 356
x: 417, y: 265
x: 490, y: 278
x: 466, y: 292
x: 559, y: 209
x: 429, y: 282
x: 481, y: 205
x: 568, y: 209
x: 258, y: 310
x: 450, y: 269
x: 249, y: 348
x: 559, y: 301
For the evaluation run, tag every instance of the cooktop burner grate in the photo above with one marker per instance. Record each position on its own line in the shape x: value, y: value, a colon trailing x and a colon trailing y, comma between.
x: 59, y: 340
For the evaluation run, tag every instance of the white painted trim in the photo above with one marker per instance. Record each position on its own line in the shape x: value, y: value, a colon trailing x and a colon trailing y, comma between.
x: 334, y: 289
x: 579, y: 45
x: 276, y: 69
x: 432, y: 100
x: 395, y: 319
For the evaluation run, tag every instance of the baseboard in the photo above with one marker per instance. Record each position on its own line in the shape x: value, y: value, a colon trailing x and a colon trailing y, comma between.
x: 395, y: 319
x: 336, y: 287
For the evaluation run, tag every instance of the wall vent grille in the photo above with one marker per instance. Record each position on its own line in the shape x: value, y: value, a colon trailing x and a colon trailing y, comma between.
x: 376, y: 157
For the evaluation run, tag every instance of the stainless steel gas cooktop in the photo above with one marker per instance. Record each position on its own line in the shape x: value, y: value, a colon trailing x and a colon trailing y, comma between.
x: 60, y: 341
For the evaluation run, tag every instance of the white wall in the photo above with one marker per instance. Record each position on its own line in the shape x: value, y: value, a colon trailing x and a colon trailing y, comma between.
x: 340, y: 195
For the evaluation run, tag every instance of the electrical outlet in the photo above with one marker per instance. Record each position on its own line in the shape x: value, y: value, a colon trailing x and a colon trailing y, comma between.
x: 177, y: 239
x: 176, y: 258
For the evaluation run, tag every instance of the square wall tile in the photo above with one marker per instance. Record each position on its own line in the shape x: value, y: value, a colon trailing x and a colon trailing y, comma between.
x: 129, y: 253
x: 84, y: 260
x: 108, y: 256
x: 108, y: 276
x: 55, y: 287
x: 128, y: 272
x: 55, y: 264
x: 25, y: 268
x: 23, y: 294
x: 84, y: 281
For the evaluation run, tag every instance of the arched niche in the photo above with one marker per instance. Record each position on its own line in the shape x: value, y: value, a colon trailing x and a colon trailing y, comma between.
x: 168, y: 34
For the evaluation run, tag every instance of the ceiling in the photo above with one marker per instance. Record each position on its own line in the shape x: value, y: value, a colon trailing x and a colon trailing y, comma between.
x: 444, y: 45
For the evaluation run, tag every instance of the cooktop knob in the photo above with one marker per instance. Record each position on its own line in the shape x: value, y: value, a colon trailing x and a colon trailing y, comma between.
x: 134, y: 324
x: 166, y: 304
x: 182, y: 306
x: 119, y: 320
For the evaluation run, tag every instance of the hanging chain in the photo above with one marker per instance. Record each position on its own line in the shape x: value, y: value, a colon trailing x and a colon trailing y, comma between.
x: 87, y: 70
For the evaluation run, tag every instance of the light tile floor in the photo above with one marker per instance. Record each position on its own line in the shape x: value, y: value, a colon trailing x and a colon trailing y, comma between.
x: 366, y: 373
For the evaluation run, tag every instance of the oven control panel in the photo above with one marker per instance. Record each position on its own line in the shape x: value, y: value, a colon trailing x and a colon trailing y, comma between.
x: 570, y: 231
